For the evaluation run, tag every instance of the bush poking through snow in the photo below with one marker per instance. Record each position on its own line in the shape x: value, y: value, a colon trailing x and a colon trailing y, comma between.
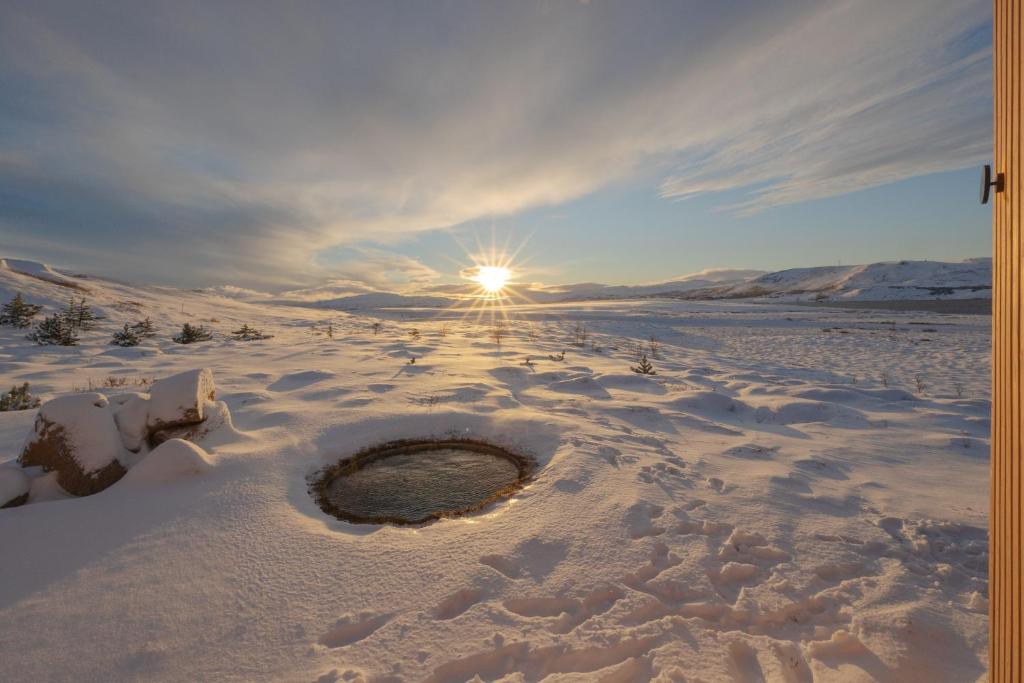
x: 644, y: 367
x: 653, y: 344
x: 18, y: 313
x: 126, y: 337
x: 144, y: 329
x: 498, y: 333
x: 579, y: 335
x: 559, y: 357
x: 79, y: 314
x: 55, y: 330
x: 191, y: 334
x: 376, y: 327
x: 18, y: 398
x: 246, y: 333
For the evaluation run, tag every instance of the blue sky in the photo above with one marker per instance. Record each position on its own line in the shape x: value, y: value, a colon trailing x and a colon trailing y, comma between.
x: 279, y: 146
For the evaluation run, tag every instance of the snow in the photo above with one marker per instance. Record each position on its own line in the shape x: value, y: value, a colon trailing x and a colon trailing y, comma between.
x: 132, y: 417
x: 170, y: 460
x: 14, y: 483
x: 39, y: 271
x: 778, y: 502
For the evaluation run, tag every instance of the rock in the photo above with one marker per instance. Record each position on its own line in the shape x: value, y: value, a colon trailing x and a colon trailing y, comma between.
x: 14, y: 487
x: 76, y: 437
x: 218, y: 418
x: 170, y: 460
x: 180, y: 399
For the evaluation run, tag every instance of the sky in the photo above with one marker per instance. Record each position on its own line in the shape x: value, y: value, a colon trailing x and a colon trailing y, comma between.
x: 280, y: 146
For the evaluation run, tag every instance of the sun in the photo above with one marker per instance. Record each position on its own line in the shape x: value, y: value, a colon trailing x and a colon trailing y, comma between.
x: 492, y: 278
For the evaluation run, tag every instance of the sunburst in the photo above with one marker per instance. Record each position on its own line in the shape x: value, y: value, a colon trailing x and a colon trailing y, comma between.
x: 494, y: 271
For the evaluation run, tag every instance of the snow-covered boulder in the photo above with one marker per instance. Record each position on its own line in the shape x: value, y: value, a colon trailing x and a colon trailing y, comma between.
x: 180, y: 399
x: 14, y: 487
x: 76, y: 436
x: 217, y: 419
x: 171, y: 459
x: 132, y: 417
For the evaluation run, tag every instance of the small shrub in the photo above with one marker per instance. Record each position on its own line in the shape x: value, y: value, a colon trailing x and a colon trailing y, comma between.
x: 126, y: 337
x: 330, y: 331
x: 56, y: 330
x: 443, y: 331
x: 144, y: 329
x: 579, y: 335
x: 246, y: 333
x: 885, y: 379
x: 529, y: 363
x: 376, y: 327
x: 653, y: 344
x: 959, y: 389
x: 412, y: 361
x: 414, y: 334
x: 18, y: 313
x: 644, y: 367
x: 919, y: 381
x: 18, y: 398
x: 498, y: 333
x: 80, y: 314
x: 558, y: 358
x: 190, y: 334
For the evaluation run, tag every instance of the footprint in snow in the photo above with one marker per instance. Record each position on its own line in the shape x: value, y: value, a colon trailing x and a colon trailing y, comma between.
x: 349, y: 629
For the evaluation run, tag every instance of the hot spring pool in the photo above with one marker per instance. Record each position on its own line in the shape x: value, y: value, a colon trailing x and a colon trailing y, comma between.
x: 415, y: 482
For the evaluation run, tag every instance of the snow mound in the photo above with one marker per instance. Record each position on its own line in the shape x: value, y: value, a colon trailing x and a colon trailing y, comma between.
x: 14, y: 486
x: 173, y: 459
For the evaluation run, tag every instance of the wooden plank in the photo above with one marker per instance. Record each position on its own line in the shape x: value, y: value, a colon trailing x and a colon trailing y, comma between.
x: 1006, y: 559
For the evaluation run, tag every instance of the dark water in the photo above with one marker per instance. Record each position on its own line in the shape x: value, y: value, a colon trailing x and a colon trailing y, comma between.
x: 416, y: 485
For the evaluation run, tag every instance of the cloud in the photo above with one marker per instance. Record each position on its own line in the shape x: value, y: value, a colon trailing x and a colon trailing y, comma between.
x: 198, y: 142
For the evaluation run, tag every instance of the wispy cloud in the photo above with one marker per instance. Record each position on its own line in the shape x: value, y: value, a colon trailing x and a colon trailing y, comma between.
x: 219, y: 142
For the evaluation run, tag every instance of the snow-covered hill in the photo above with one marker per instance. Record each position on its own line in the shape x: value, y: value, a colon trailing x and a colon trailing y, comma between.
x: 905, y: 280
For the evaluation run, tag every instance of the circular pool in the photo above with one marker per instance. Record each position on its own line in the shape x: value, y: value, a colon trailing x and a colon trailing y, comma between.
x: 412, y: 482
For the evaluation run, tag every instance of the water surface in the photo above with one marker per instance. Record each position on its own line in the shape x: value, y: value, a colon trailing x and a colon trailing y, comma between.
x: 413, y: 487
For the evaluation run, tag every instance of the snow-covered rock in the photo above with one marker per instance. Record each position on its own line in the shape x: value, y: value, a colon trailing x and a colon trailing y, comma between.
x: 76, y: 436
x: 132, y: 417
x: 14, y: 486
x: 180, y: 399
x: 217, y: 419
x: 170, y: 460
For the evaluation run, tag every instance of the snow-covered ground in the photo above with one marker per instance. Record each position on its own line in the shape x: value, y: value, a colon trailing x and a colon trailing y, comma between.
x: 765, y: 507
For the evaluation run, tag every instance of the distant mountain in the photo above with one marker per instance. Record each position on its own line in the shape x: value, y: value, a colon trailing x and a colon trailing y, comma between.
x: 909, y: 280
x: 376, y: 300
x: 902, y: 280
x: 592, y: 290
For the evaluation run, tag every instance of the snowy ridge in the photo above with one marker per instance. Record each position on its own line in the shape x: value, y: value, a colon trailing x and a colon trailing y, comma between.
x: 905, y: 280
x: 39, y: 271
